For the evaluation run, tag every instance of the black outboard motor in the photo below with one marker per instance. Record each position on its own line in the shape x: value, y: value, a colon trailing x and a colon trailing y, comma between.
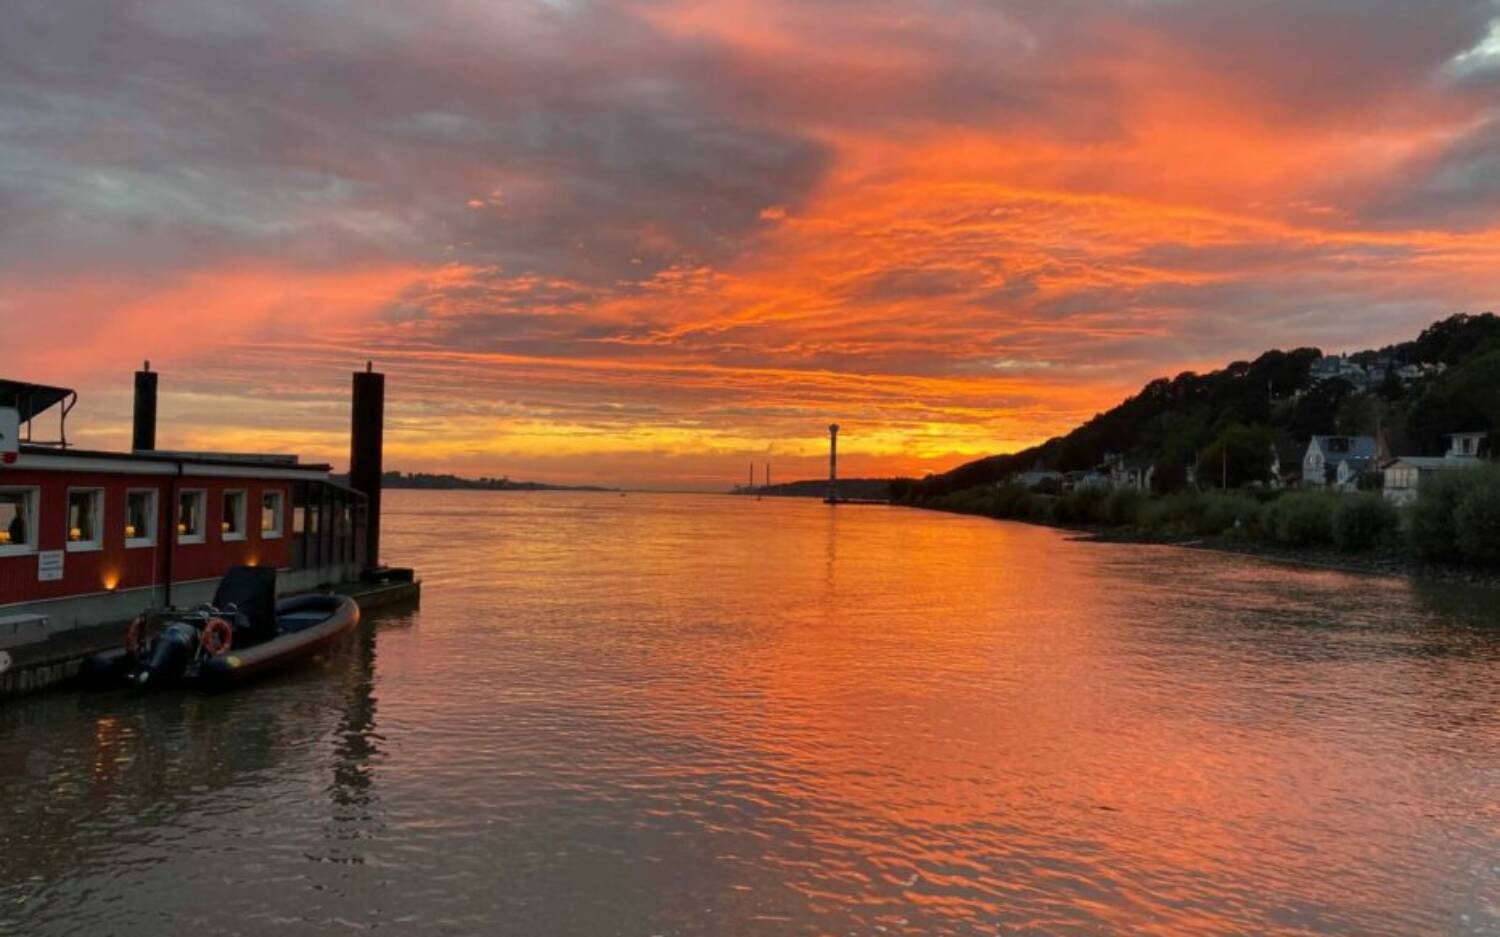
x: 171, y: 653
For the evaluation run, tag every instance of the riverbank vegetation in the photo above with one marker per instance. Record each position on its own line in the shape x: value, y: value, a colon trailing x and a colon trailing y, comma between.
x: 1456, y: 521
x: 1224, y: 427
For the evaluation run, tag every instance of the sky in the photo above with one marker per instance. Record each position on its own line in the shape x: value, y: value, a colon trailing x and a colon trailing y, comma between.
x: 647, y: 242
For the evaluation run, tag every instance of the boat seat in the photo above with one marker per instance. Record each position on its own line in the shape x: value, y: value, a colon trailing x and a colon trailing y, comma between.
x: 252, y: 591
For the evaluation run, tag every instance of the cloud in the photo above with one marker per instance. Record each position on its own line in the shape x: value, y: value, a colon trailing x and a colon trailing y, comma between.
x: 635, y: 240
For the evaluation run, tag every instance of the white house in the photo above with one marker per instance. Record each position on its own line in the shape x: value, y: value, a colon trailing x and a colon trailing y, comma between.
x: 1337, y: 462
x: 1121, y: 472
x: 1407, y: 476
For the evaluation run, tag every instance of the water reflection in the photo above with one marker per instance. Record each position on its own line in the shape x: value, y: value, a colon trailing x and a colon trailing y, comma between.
x: 684, y: 715
x: 123, y: 784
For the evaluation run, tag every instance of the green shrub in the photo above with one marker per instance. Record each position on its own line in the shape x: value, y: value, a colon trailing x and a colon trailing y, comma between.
x: 1223, y: 513
x: 1476, y: 521
x: 1041, y: 509
x: 1202, y: 515
x: 1432, y: 532
x: 1300, y: 519
x: 1363, y: 521
x: 1082, y: 506
x: 1169, y: 514
x: 1019, y: 504
x: 1123, y: 507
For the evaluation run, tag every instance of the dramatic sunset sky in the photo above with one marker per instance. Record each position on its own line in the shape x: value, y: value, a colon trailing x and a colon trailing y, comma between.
x: 643, y: 242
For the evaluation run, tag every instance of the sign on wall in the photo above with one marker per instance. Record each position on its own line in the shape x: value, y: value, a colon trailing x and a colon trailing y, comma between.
x: 49, y: 566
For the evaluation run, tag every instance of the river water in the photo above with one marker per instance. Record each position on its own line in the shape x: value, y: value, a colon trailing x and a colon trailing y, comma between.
x: 698, y: 715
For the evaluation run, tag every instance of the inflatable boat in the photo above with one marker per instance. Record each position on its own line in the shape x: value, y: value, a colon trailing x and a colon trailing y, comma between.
x: 243, y: 634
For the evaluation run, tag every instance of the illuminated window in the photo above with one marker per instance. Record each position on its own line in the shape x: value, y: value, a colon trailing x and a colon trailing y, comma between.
x: 140, y: 518
x: 232, y: 526
x: 190, y: 505
x: 272, y: 514
x: 85, y: 518
x: 17, y: 520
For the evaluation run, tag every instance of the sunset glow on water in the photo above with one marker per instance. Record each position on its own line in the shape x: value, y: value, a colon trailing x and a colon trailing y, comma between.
x: 695, y: 715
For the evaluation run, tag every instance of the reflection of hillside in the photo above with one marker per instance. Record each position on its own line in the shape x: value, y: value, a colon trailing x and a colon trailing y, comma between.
x: 116, y: 769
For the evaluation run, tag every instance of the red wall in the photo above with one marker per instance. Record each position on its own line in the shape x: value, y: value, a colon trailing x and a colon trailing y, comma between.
x: 95, y: 571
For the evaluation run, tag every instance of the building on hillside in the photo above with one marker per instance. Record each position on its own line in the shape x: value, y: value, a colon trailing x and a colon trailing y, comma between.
x: 1135, y: 474
x: 1339, y: 367
x: 1338, y: 462
x: 1037, y: 478
x: 1085, y: 481
x: 1407, y: 476
x: 1466, y: 445
x: 1119, y: 471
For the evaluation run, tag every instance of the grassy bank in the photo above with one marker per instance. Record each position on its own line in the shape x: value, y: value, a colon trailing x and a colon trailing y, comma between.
x: 1456, y: 521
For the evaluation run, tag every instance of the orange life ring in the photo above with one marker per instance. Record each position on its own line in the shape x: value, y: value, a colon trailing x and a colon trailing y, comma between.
x: 217, y: 637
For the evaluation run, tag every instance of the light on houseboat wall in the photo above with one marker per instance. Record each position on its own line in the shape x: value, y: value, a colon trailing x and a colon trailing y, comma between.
x: 111, y: 581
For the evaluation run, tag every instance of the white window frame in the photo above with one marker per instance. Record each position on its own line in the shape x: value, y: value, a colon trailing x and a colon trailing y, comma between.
x: 233, y: 536
x: 33, y: 501
x: 84, y: 546
x: 137, y: 542
x: 202, y: 535
x: 278, y: 531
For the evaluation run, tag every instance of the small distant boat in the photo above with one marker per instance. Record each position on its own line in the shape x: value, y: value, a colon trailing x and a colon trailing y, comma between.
x: 243, y: 634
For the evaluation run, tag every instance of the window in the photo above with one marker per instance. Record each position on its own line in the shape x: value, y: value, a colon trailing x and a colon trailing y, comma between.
x: 140, y: 518
x: 271, y: 514
x: 233, y: 524
x: 190, y: 516
x: 85, y: 519
x: 299, y: 519
x: 17, y: 520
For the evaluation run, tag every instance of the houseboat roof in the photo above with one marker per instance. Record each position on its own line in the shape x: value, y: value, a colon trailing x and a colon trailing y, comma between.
x: 157, y: 462
x: 29, y: 399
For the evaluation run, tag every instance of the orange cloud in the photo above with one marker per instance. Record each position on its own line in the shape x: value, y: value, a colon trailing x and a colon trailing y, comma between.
x: 651, y: 259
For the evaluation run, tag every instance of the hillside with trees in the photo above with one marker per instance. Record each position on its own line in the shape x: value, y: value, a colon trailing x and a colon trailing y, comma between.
x: 1228, y: 422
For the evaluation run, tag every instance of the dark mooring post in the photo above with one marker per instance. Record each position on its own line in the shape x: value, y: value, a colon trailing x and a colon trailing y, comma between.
x: 833, y: 463
x: 143, y: 435
x: 366, y: 448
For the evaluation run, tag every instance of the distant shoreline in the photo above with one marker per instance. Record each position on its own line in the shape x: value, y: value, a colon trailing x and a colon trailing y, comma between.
x: 517, y: 486
x: 428, y: 481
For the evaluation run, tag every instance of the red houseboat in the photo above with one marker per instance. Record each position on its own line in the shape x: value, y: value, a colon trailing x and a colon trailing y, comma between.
x: 89, y: 538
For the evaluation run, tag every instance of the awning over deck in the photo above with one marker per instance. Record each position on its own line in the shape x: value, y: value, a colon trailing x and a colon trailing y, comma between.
x: 31, y: 399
